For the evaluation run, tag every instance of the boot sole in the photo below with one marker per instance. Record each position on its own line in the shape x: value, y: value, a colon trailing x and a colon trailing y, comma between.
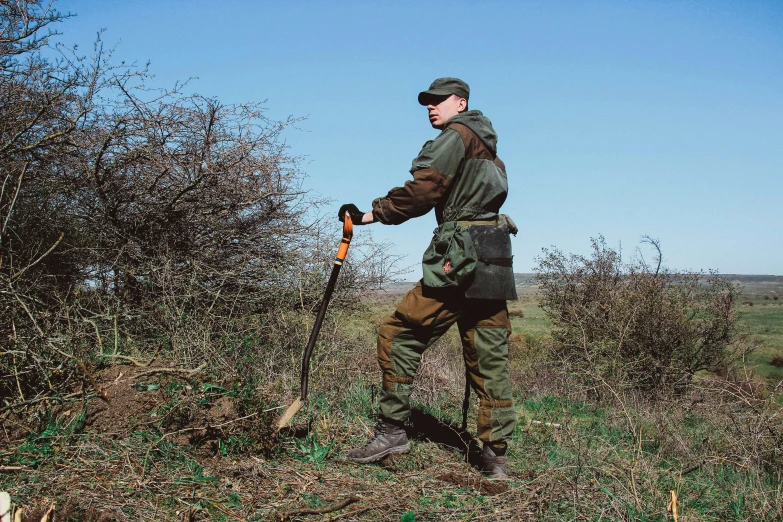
x: 379, y: 456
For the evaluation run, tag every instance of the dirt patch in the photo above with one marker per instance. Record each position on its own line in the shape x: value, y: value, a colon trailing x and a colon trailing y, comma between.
x: 164, y: 402
x: 476, y: 483
x: 127, y: 406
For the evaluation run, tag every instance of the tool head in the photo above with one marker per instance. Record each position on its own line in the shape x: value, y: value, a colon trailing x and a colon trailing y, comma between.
x: 285, y: 420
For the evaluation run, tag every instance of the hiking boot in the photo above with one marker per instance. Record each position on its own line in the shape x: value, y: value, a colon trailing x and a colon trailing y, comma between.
x: 494, y: 463
x: 389, y: 438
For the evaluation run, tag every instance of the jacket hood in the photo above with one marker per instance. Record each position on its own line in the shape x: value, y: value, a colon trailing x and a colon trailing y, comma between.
x: 479, y: 124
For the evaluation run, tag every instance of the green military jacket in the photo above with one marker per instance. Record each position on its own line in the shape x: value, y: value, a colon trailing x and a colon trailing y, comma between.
x: 458, y: 173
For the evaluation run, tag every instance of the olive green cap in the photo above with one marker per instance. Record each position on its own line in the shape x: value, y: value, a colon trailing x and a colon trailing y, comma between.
x: 445, y: 87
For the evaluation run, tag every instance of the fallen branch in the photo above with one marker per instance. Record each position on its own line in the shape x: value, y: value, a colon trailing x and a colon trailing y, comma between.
x: 22, y: 271
x: 672, y: 508
x: 285, y: 515
x: 211, y: 426
x: 101, y: 393
x: 350, y: 513
x: 548, y: 424
x: 692, y: 468
x: 132, y: 360
x: 30, y: 402
x: 12, y: 468
x: 182, y: 371
x: 46, y: 518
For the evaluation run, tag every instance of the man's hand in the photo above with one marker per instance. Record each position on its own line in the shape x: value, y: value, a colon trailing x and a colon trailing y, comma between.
x: 357, y: 216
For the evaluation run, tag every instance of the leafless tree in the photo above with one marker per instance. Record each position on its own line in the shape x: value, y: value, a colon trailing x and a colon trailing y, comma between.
x: 134, y: 218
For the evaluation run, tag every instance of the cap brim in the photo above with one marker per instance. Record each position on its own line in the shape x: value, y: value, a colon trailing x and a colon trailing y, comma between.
x: 426, y: 96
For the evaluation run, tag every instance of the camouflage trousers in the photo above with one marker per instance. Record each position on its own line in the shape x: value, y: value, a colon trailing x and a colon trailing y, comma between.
x: 421, y: 318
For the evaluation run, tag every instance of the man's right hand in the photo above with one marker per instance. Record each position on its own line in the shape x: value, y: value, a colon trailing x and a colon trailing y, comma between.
x: 353, y: 211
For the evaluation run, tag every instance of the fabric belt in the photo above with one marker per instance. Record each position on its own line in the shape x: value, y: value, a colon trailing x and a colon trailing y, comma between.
x: 492, y: 223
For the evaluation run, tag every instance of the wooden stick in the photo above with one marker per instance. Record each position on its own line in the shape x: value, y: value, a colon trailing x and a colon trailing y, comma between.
x: 549, y: 424
x: 5, y: 507
x: 45, y: 518
x: 30, y: 402
x: 22, y: 271
x: 184, y: 371
x: 92, y: 381
x: 692, y: 468
x: 673, y: 506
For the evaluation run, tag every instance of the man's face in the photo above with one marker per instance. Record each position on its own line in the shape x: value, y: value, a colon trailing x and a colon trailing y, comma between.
x: 442, y: 108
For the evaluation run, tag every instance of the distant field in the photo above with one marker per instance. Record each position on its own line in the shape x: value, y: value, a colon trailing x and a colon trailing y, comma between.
x: 760, y: 311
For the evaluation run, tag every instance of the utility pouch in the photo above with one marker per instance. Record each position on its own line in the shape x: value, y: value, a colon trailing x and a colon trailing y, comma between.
x: 450, y: 259
x: 505, y: 221
x: 494, y: 273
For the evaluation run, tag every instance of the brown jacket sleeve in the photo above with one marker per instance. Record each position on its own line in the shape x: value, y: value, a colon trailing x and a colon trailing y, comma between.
x: 434, y: 171
x: 414, y: 199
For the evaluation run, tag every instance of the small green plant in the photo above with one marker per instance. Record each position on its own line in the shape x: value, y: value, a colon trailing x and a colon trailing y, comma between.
x: 312, y: 499
x: 409, y: 516
x: 234, y: 445
x: 38, y: 446
x: 311, y: 450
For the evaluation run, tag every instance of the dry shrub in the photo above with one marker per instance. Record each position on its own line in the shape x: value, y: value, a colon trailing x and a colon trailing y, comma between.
x: 518, y: 314
x: 518, y: 347
x: 749, y: 418
x: 135, y: 219
x: 636, y: 325
x: 442, y: 372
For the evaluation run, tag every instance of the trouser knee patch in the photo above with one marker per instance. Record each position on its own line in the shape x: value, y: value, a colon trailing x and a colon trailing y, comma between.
x: 395, y: 402
x: 496, y: 420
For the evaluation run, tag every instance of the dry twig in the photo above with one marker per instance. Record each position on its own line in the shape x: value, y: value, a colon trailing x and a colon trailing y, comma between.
x: 285, y: 515
x: 182, y: 371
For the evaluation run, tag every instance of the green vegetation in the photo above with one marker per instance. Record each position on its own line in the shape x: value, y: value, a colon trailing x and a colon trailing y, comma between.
x: 573, y: 455
x: 764, y: 321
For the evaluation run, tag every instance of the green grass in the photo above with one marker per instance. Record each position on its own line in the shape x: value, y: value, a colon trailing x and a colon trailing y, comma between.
x: 534, y: 322
x: 606, y: 460
x: 764, y: 323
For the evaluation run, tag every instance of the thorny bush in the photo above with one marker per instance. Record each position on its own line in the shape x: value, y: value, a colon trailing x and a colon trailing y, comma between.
x: 136, y: 219
x: 633, y: 324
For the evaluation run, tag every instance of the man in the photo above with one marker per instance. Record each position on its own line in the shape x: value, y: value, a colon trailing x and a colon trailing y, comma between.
x: 467, y: 274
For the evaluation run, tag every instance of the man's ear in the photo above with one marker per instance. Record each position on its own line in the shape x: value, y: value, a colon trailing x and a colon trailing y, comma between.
x: 462, y: 106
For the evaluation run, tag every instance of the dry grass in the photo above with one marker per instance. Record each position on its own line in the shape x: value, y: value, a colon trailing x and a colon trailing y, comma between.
x: 206, y: 453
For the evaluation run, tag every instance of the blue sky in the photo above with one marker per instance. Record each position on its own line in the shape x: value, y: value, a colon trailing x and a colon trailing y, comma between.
x: 620, y: 118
